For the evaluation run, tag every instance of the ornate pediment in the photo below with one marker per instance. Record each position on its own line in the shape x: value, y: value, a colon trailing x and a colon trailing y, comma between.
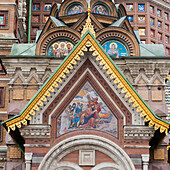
x: 107, y: 68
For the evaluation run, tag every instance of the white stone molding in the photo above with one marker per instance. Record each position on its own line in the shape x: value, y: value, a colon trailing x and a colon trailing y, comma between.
x: 67, y: 166
x: 87, y: 157
x: 138, y: 132
x: 28, y: 159
x: 89, y: 142
x: 106, y: 166
x: 145, y: 160
x: 36, y: 131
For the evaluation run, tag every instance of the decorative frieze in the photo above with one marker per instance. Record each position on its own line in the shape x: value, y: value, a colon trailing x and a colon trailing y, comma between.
x: 36, y: 131
x: 138, y: 132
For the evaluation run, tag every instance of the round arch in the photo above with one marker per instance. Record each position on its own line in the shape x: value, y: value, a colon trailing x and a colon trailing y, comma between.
x: 92, y: 142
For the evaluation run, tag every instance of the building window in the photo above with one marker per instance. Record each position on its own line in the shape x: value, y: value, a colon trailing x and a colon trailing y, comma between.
x: 151, y: 9
x: 141, y: 19
x: 46, y: 18
x: 129, y: 7
x: 36, y: 7
x: 158, y: 12
x: 141, y: 7
x: 159, y: 36
x: 166, y: 39
x: 159, y: 24
x: 130, y: 18
x: 167, y: 51
x: 166, y: 27
x: 152, y: 21
x: 166, y: 16
x: 142, y: 31
x: 2, y: 96
x: 152, y: 33
x: 34, y: 30
x: 2, y: 19
x: 47, y: 7
x: 35, y: 18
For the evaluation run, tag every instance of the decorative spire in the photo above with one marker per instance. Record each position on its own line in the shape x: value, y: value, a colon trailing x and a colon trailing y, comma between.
x: 88, y: 25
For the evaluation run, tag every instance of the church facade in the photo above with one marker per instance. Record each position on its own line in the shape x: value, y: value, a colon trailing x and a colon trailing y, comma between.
x: 87, y: 95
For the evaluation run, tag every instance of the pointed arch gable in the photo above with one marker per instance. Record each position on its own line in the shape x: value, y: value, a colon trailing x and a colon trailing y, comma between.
x: 105, y: 64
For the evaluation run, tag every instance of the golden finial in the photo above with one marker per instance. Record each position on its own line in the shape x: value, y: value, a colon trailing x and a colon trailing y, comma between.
x: 88, y: 25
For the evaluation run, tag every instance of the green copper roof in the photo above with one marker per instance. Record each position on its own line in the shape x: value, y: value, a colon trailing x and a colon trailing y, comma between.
x: 38, y: 34
x: 152, y: 50
x: 23, y: 49
x: 57, y: 22
x: 118, y: 22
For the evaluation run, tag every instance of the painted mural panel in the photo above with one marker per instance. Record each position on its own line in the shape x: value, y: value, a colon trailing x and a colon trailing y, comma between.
x: 115, y: 49
x: 60, y: 49
x: 87, y: 110
x: 100, y: 9
x: 76, y: 9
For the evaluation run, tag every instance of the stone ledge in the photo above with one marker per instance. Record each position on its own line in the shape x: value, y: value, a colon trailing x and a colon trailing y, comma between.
x: 36, y: 131
x: 138, y: 132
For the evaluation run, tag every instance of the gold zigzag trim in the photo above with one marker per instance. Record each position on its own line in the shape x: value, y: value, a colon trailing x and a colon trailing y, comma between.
x: 114, y: 74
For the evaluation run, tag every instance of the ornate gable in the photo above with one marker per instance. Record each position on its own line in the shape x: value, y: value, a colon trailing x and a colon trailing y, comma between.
x: 109, y: 71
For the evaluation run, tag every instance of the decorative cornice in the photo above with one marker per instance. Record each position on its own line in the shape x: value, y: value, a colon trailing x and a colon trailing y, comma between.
x: 88, y: 42
x: 36, y: 131
x: 138, y: 132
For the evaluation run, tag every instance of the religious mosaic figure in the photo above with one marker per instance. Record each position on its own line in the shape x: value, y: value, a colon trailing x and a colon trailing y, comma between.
x: 99, y: 9
x: 60, y: 49
x: 115, y: 49
x: 86, y: 110
x: 77, y: 9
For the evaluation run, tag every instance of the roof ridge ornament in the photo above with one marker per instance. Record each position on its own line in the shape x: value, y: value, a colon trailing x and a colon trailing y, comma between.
x: 88, y: 25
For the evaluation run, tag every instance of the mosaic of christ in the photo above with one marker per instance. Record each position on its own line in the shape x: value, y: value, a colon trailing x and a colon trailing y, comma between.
x: 87, y: 110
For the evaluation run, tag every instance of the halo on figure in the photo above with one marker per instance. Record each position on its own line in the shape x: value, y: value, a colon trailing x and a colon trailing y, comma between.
x: 114, y: 45
x: 62, y: 42
x: 70, y: 44
x: 55, y: 44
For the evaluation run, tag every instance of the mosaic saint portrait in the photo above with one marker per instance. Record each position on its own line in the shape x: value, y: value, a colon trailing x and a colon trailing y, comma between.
x: 76, y: 9
x: 99, y: 9
x: 60, y: 49
x: 115, y: 49
x: 87, y: 110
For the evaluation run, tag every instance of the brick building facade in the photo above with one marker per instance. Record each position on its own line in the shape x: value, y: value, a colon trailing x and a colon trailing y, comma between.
x: 86, y: 95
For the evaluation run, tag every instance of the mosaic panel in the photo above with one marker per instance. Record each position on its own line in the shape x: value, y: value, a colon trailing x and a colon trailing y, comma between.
x: 115, y: 49
x: 141, y: 7
x: 36, y: 7
x: 46, y: 18
x: 60, y: 49
x: 47, y: 7
x: 141, y: 19
x: 100, y: 9
x: 87, y: 110
x: 129, y: 7
x: 76, y: 9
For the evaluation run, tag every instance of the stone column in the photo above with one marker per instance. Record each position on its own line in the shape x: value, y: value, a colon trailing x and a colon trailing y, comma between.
x: 28, y: 159
x: 145, y: 161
